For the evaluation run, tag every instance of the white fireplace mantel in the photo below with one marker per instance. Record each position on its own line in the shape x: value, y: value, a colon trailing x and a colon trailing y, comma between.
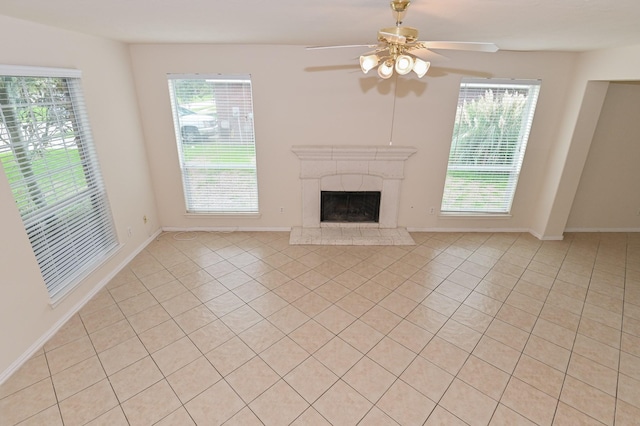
x: 351, y: 168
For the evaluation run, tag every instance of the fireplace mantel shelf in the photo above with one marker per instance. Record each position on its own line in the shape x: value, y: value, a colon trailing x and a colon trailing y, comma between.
x: 319, y: 161
x: 353, y: 152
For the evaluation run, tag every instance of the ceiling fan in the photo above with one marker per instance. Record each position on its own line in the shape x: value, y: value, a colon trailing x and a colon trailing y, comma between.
x: 399, y: 48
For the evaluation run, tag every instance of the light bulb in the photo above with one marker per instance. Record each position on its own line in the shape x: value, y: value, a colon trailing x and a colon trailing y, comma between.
x: 404, y: 64
x: 385, y: 70
x: 421, y: 67
x: 368, y: 62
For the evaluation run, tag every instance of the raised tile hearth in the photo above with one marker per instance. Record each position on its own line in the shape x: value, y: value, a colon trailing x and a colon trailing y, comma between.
x: 350, y: 236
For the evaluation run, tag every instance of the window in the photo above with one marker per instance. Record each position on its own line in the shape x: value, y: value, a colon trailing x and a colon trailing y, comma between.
x: 493, y: 119
x: 213, y: 119
x: 47, y: 154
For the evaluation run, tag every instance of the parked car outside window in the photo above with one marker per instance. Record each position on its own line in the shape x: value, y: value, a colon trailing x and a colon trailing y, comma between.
x: 196, y: 127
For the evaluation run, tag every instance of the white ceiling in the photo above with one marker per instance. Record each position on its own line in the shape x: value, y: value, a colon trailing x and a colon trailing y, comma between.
x: 564, y: 25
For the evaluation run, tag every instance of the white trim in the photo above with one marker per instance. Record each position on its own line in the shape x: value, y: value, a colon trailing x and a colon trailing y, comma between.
x: 546, y: 237
x: 550, y: 238
x: 27, y: 71
x: 490, y: 230
x: 485, y: 230
x: 473, y: 216
x: 352, y: 153
x: 226, y: 229
x: 74, y: 310
x: 210, y: 76
x: 251, y: 215
x: 602, y: 230
x: 511, y: 82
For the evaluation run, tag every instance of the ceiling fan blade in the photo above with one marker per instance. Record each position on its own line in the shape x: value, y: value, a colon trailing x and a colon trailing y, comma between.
x: 340, y: 46
x: 378, y: 48
x: 459, y: 45
x: 426, y: 54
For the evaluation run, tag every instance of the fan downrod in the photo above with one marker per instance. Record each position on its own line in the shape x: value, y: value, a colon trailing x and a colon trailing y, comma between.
x: 399, y: 10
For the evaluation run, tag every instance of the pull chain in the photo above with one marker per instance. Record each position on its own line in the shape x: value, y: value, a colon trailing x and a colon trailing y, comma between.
x: 393, y: 110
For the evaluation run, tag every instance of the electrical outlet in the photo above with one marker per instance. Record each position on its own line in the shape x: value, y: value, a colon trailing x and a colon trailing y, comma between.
x: 144, y: 219
x: 129, y: 231
x: 432, y: 210
x: 281, y: 209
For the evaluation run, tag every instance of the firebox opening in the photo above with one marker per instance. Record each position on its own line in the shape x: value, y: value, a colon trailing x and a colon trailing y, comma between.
x: 350, y: 206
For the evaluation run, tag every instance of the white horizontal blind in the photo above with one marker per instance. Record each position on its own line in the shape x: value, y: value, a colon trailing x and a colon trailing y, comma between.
x: 213, y: 119
x: 493, y: 120
x: 46, y: 150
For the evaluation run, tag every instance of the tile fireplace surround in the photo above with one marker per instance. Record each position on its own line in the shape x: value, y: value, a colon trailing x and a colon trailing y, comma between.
x: 351, y: 168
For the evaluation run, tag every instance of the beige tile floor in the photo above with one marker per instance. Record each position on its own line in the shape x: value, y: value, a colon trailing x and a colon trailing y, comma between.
x: 244, y: 329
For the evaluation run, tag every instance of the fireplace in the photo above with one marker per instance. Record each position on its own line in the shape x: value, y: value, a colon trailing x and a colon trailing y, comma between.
x: 351, y: 169
x: 350, y: 206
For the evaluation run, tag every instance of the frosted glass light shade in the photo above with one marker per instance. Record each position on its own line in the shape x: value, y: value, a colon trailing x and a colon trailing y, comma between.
x: 404, y: 64
x: 368, y: 62
x: 421, y: 67
x: 385, y: 70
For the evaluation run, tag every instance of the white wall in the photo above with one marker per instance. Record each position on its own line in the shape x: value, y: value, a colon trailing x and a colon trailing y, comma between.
x: 568, y: 156
x: 321, y: 98
x: 608, y: 197
x: 26, y: 315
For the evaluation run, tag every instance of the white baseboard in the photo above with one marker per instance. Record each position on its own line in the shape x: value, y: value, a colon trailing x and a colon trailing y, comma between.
x: 74, y: 310
x: 226, y: 229
x: 485, y: 230
x: 490, y: 230
x: 546, y: 237
x: 614, y: 230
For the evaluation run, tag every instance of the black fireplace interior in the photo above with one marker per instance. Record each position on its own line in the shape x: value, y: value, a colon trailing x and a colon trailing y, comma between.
x: 350, y: 206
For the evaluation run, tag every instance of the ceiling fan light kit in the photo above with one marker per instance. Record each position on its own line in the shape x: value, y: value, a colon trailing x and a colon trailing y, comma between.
x: 421, y: 67
x: 368, y: 62
x: 399, y: 49
x: 385, y: 69
x: 393, y: 50
x: 404, y: 64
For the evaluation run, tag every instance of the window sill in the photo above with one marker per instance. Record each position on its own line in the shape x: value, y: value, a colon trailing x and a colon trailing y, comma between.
x: 447, y: 215
x: 223, y: 215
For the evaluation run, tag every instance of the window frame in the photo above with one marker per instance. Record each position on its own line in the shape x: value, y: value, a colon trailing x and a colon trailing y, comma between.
x: 67, y: 218
x: 454, y: 189
x: 235, y: 191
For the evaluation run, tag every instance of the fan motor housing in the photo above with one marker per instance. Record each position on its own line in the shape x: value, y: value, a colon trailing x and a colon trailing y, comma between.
x: 409, y: 33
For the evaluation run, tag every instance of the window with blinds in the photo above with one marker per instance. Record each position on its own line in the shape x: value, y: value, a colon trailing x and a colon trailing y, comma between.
x: 47, y: 153
x: 213, y: 119
x: 492, y: 124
